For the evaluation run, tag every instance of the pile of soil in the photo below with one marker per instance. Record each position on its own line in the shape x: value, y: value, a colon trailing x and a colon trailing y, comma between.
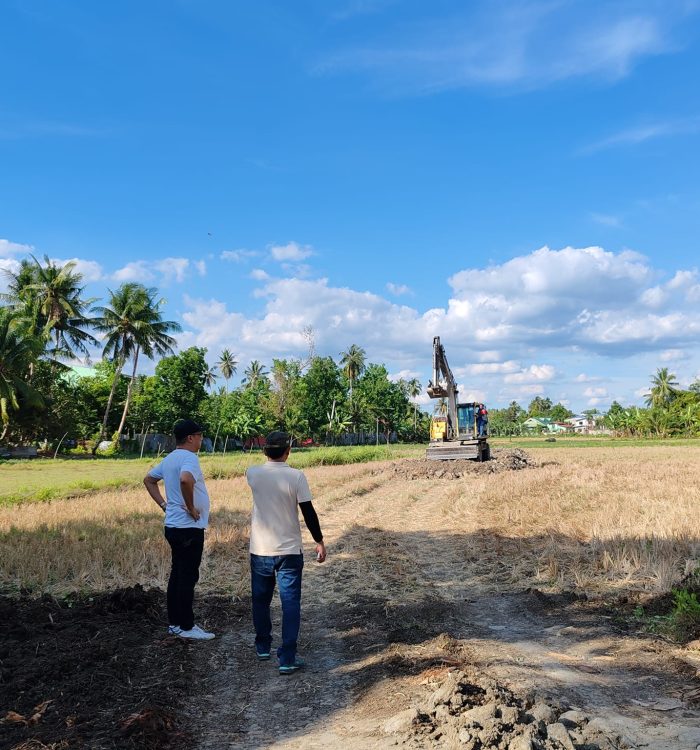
x: 472, y: 711
x: 513, y: 459
x: 92, y: 672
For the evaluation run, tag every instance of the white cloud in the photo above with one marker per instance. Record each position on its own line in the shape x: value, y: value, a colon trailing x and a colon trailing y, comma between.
x: 170, y: 270
x: 137, y: 270
x: 488, y: 368
x: 674, y: 355
x: 238, y: 256
x: 201, y: 267
x: 259, y: 275
x: 514, y: 45
x: 595, y: 392
x: 559, y: 304
x: 292, y: 251
x: 91, y: 270
x: 643, y: 133
x: 7, y: 265
x: 11, y: 249
x: 403, y: 375
x: 532, y: 374
x: 398, y: 289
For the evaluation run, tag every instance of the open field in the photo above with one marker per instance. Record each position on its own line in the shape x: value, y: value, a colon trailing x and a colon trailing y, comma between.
x: 46, y: 479
x: 530, y: 577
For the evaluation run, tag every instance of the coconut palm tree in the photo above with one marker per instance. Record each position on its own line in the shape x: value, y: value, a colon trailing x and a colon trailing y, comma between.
x: 227, y: 365
x: 152, y: 337
x: 119, y: 322
x: 18, y: 350
x: 210, y: 376
x: 663, y: 388
x: 254, y: 374
x: 57, y: 305
x: 414, y: 388
x: 353, y: 363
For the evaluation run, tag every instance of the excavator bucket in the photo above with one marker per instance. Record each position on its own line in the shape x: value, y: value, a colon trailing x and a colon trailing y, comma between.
x: 474, y: 450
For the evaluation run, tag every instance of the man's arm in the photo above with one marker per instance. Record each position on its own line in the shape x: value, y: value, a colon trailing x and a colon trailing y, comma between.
x: 151, y: 484
x: 314, y: 527
x: 187, y: 482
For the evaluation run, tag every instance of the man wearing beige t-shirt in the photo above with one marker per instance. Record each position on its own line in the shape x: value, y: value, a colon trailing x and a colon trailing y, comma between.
x: 276, y: 552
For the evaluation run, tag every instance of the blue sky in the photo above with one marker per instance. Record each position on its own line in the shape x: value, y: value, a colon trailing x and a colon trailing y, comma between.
x: 519, y: 178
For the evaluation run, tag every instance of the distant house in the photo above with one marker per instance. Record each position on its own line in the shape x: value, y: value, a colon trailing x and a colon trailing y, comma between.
x: 545, y: 424
x: 581, y: 424
x: 537, y: 424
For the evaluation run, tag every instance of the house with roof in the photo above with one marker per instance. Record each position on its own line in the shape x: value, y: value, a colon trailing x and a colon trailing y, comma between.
x: 545, y: 424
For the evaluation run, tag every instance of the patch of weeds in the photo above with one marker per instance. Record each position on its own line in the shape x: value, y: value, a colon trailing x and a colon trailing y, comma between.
x: 675, y: 615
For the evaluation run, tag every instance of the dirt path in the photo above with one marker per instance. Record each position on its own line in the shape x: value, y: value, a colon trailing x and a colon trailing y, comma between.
x: 396, y: 609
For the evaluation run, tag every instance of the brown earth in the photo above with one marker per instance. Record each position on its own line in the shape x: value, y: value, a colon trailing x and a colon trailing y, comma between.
x: 408, y: 644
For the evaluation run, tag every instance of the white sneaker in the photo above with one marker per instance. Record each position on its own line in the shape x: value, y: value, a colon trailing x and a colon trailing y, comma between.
x: 174, y: 630
x: 196, y: 633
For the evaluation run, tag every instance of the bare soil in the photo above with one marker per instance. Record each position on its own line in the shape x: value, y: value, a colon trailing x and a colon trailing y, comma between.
x: 406, y: 646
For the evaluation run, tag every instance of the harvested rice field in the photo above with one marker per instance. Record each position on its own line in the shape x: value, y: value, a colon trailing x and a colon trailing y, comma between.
x: 524, y: 604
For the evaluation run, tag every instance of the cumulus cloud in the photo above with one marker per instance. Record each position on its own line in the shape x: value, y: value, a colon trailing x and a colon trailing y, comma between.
x: 497, y: 326
x: 167, y: 270
x: 531, y: 374
x: 13, y: 249
x: 91, y: 270
x: 398, y: 289
x: 292, y: 251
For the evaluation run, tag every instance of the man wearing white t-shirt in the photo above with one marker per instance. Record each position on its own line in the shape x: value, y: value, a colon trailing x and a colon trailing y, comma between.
x: 276, y: 549
x: 186, y: 516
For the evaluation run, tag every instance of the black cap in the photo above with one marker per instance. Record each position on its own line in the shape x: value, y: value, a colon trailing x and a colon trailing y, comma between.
x: 184, y: 427
x: 278, y: 439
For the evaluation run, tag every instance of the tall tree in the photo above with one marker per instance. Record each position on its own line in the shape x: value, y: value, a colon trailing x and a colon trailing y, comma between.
x: 18, y: 350
x: 353, y: 364
x: 120, y: 322
x: 210, y: 376
x: 414, y: 388
x: 663, y: 388
x: 227, y: 365
x: 152, y: 337
x: 57, y: 305
x: 254, y: 374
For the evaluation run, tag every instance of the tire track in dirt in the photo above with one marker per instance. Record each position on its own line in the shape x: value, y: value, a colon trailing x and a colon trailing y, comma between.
x: 370, y: 618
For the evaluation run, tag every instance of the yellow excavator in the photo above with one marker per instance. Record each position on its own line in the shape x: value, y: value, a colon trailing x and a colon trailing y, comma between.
x: 454, y: 435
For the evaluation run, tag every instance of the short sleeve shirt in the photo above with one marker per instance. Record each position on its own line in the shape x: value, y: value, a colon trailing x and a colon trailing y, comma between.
x: 170, y: 469
x: 277, y: 491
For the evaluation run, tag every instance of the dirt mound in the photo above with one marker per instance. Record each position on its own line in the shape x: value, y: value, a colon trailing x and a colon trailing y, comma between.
x: 474, y: 712
x: 513, y: 459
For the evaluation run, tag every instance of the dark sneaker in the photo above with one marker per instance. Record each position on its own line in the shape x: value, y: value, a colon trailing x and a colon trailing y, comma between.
x: 299, y: 663
x: 263, y: 655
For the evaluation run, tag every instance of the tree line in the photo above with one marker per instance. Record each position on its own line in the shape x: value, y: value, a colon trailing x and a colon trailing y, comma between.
x: 46, y: 320
x: 670, y: 411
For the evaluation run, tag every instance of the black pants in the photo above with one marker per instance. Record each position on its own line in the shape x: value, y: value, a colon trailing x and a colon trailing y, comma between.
x: 187, y: 546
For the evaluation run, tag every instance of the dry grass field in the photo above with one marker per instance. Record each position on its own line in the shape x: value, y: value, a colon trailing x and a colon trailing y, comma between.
x: 597, y: 520
x: 529, y: 577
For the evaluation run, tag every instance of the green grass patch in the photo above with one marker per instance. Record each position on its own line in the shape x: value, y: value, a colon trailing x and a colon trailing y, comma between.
x: 40, y: 480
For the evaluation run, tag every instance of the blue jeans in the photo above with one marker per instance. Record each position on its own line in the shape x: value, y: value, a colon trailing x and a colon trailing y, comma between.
x: 287, y: 570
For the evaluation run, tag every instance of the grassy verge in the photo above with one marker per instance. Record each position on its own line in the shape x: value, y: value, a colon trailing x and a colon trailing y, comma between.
x: 45, y: 479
